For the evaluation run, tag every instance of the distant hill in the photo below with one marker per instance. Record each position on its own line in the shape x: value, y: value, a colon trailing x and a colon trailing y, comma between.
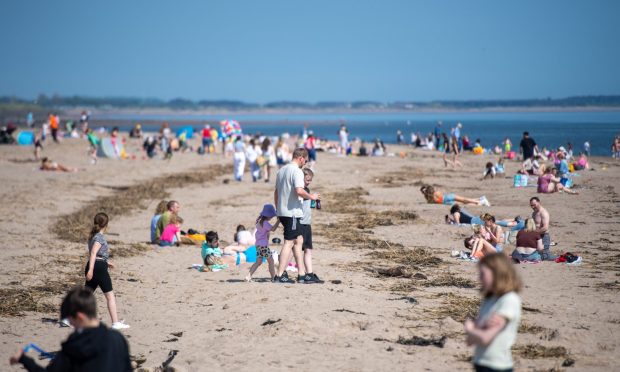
x: 14, y: 108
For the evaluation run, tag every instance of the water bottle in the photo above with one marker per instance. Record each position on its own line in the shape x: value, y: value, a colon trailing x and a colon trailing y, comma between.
x: 318, y: 204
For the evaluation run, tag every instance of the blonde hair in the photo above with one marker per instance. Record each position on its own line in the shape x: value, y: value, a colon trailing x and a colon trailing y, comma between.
x: 505, y: 278
x: 529, y: 225
x: 174, y: 219
x: 162, y: 206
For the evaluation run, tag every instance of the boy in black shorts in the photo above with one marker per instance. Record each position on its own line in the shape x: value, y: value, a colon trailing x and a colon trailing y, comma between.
x: 306, y: 232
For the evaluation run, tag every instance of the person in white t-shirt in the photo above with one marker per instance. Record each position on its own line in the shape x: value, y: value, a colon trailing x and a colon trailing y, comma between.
x: 495, y: 329
x: 288, y: 197
x: 343, y: 134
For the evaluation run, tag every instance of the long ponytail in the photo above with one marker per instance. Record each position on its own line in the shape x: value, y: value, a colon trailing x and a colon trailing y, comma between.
x: 100, y: 222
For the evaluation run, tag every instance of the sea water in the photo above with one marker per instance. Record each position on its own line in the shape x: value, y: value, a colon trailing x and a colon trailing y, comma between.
x: 548, y: 129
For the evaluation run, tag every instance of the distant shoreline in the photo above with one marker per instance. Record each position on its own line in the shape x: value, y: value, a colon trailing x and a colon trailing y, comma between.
x: 262, y: 111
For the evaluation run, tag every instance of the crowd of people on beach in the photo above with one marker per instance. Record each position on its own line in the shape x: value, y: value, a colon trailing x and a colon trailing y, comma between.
x: 494, y: 330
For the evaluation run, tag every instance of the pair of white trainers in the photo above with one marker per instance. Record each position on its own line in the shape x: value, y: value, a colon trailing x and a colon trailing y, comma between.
x: 484, y: 201
x: 118, y: 325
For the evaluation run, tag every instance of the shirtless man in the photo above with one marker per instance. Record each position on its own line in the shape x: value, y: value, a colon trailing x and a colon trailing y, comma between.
x: 541, y: 218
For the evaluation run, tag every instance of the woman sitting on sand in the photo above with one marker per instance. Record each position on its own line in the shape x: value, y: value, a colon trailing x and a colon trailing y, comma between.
x: 437, y: 197
x: 529, y: 244
x: 492, y: 232
x: 479, y: 246
x: 548, y: 184
x: 49, y: 165
x: 581, y: 163
x: 162, y: 206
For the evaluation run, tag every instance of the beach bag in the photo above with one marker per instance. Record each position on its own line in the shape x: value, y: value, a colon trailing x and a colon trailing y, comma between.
x: 566, y: 182
x: 260, y: 161
x: 520, y: 180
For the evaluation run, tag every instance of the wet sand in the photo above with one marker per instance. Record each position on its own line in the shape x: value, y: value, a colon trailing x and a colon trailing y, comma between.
x: 373, y: 220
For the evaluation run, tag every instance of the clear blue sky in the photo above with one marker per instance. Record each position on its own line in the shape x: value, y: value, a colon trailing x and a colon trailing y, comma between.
x: 262, y: 50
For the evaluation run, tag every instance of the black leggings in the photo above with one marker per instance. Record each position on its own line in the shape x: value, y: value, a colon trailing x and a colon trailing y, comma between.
x: 101, y: 277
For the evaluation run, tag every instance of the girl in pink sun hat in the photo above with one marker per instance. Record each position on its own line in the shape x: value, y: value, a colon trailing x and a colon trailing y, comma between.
x: 263, y: 229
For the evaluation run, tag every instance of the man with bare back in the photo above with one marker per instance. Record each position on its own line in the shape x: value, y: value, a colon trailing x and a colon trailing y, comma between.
x: 541, y: 218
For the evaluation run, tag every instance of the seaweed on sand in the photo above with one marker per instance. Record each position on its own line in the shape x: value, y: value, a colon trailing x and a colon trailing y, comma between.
x: 421, y: 341
x: 537, y: 351
x: 347, y: 201
x: 129, y: 250
x: 455, y: 306
x: 74, y: 226
x: 347, y: 235
x: 449, y: 280
x: 411, y: 257
x: 15, y: 301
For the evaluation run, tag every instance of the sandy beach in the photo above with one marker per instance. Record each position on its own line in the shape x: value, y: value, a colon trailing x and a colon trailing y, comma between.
x: 373, y: 218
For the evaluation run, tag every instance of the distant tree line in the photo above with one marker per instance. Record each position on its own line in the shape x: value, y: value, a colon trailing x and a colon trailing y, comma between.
x: 56, y: 102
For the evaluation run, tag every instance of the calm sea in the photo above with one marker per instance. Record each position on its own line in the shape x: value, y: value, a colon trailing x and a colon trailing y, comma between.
x: 551, y: 129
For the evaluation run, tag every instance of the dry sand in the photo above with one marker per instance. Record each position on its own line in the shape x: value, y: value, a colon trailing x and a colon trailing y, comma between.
x: 367, y: 224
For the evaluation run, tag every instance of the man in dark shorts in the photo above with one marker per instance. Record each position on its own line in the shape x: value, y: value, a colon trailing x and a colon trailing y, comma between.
x: 288, y: 197
x: 528, y: 146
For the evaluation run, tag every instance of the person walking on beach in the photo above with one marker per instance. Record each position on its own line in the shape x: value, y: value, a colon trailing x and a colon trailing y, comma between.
x: 454, y: 149
x: 495, y: 329
x: 528, y: 146
x: 91, y: 347
x: 288, y: 196
x: 310, y: 145
x: 541, y: 218
x: 263, y: 229
x: 53, y: 120
x: 239, y: 159
x: 343, y: 134
x: 96, y: 270
x: 457, y: 134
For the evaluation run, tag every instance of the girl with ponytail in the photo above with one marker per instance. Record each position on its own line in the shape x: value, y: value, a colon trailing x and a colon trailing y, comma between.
x: 96, y: 271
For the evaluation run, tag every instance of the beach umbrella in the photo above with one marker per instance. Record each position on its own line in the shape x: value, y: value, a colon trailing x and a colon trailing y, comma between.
x: 230, y: 128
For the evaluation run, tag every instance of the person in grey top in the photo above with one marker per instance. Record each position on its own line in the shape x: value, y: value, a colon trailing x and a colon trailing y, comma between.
x: 306, y: 230
x: 96, y: 271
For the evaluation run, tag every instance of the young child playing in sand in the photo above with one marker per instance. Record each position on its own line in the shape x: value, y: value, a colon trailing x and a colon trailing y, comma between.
x: 211, y: 253
x: 172, y: 231
x: 263, y: 229
x: 96, y: 271
x: 306, y: 229
x: 489, y: 171
x: 495, y: 329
